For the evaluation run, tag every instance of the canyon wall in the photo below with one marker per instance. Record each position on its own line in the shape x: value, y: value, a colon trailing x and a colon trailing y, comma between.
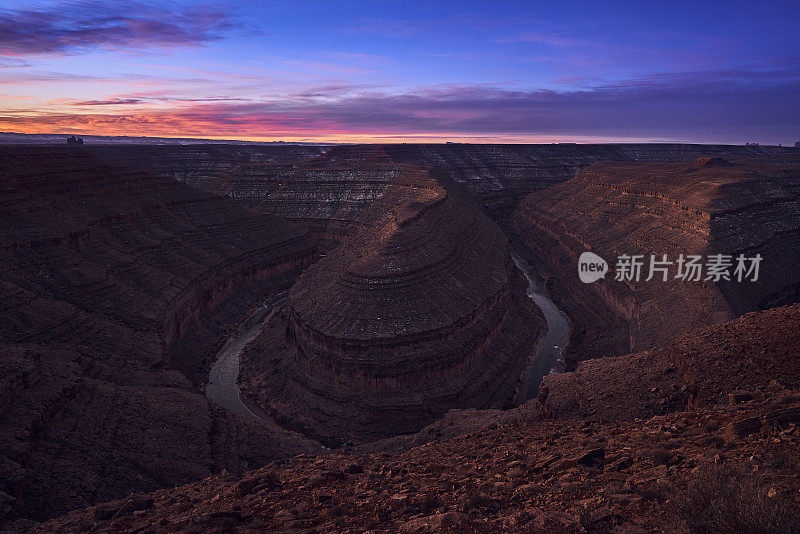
x: 708, y: 206
x: 118, y: 287
x: 319, y: 188
x: 502, y: 175
x: 611, y: 447
x: 420, y: 312
x: 322, y: 192
x: 207, y: 165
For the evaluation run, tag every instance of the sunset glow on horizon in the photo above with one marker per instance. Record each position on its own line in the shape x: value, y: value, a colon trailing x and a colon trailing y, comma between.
x: 721, y: 72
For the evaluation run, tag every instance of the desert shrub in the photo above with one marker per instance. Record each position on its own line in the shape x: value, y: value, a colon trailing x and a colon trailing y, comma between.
x: 779, y: 460
x: 722, y: 500
x: 652, y: 491
x: 660, y: 455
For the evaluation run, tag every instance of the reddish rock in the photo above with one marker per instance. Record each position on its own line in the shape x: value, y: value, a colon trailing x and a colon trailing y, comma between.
x: 634, y: 491
x: 744, y: 427
x: 737, y: 397
x: 423, y: 312
x: 118, y: 287
x: 655, y: 209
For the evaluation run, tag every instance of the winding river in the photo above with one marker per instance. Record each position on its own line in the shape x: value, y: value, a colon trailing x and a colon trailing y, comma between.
x: 222, y: 387
x: 551, y: 355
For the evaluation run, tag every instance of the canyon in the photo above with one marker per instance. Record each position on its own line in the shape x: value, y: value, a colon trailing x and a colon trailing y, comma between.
x: 421, y: 312
x: 318, y: 188
x: 605, y: 449
x: 376, y: 304
x: 703, y: 207
x: 117, y: 287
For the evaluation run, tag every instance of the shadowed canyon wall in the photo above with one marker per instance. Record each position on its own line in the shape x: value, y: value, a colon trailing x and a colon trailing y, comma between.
x: 120, y: 283
x: 421, y: 312
x: 319, y: 187
x: 117, y: 289
x: 502, y: 175
x: 704, y: 207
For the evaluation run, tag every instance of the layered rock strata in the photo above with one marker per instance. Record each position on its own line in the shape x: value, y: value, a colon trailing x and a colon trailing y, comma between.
x: 502, y: 175
x: 326, y: 188
x: 208, y: 166
x: 421, y: 312
x: 117, y: 288
x: 631, y: 464
x: 700, y: 208
x: 343, y: 192
x: 324, y: 192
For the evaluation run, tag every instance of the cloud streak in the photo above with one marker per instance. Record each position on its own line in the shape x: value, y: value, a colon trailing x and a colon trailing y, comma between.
x: 110, y: 102
x: 720, y: 106
x: 553, y: 39
x: 77, y: 27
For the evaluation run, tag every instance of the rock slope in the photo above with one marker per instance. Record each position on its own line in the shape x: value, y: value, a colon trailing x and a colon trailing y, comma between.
x: 728, y: 462
x: 327, y: 188
x: 702, y: 207
x: 117, y: 287
x: 421, y: 312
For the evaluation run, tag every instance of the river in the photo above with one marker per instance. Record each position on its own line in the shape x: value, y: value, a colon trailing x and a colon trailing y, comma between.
x: 551, y: 355
x: 223, y: 387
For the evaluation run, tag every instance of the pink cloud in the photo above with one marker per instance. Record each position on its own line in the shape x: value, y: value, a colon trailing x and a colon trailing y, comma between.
x: 84, y: 26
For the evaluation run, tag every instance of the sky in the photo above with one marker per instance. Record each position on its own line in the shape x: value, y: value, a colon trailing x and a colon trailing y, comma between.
x: 404, y: 71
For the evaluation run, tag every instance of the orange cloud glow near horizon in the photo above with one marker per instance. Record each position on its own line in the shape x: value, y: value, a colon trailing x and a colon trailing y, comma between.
x: 448, y: 72
x: 202, y: 122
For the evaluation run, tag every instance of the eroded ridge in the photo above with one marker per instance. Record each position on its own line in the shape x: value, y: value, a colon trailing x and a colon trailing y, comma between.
x: 703, y: 207
x: 421, y: 312
x: 327, y: 188
x: 118, y: 286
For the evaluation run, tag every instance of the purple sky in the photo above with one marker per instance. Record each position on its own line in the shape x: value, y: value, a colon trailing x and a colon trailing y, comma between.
x: 395, y: 71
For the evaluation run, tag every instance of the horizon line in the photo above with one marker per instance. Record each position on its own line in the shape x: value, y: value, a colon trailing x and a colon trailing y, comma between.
x: 397, y: 139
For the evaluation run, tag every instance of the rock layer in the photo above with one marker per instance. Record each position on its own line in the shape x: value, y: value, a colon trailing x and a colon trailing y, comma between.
x: 589, y: 469
x: 502, y: 175
x: 421, y: 312
x: 322, y: 188
x: 117, y: 288
x: 327, y: 188
x: 744, y: 207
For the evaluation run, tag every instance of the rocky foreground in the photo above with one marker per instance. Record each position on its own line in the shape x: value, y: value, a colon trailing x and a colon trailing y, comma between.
x: 709, y: 441
x: 120, y: 284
